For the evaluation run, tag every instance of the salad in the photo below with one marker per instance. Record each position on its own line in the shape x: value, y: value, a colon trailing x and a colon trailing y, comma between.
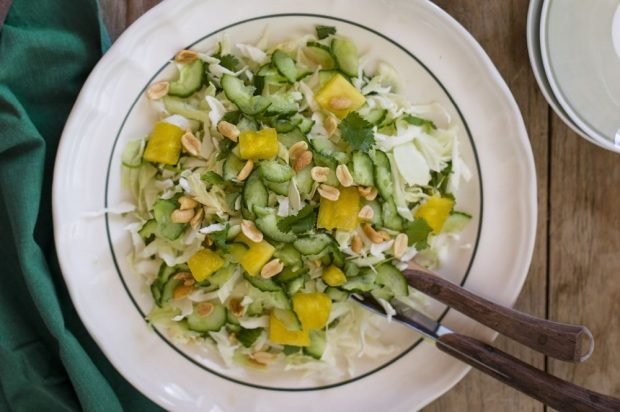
x: 278, y: 181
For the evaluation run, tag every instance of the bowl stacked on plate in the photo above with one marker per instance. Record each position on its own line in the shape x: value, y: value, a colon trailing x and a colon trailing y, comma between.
x: 574, y: 49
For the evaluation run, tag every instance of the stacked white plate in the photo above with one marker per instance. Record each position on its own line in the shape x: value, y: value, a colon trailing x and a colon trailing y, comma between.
x: 574, y: 49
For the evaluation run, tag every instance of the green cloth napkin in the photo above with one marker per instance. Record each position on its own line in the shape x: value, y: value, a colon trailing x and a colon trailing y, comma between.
x: 48, y: 362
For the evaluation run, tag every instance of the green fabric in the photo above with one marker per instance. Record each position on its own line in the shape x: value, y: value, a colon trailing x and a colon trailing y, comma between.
x: 48, y: 362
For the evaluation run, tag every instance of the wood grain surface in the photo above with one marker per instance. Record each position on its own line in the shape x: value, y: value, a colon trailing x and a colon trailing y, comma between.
x: 573, y: 277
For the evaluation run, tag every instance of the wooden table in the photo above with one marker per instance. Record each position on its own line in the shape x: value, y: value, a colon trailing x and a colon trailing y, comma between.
x: 573, y: 275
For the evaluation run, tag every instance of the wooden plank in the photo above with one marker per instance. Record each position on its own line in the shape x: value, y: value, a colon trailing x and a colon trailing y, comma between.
x: 584, y: 258
x: 499, y: 26
x: 119, y: 14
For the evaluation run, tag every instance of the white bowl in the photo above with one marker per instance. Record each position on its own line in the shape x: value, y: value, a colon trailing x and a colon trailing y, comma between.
x: 579, y: 42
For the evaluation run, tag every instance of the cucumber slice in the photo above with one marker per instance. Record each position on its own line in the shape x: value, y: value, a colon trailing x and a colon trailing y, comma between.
x: 383, y: 176
x: 306, y: 125
x: 364, y: 282
x: 319, y: 55
x: 376, y: 116
x: 149, y: 229
x: 221, y: 276
x: 345, y: 53
x: 289, y: 273
x: 275, y: 171
x: 162, y: 209
x: 132, y: 155
x: 285, y: 65
x: 295, y: 285
x: 362, y: 169
x: 382, y: 293
x: 336, y: 295
x: 247, y: 337
x: 168, y: 290
x: 177, y: 105
x: 390, y: 277
x: 254, y: 193
x: 268, y: 224
x: 289, y: 256
x: 278, y: 188
x: 318, y: 342
x: 456, y: 222
x: 377, y: 218
x: 190, y: 79
x: 213, y: 322
x: 304, y: 181
x: 241, y: 95
x: 287, y: 125
x: 312, y: 245
x: 245, y: 123
x: 288, y: 318
x: 266, y: 285
x: 281, y: 104
x: 351, y: 269
x: 290, y: 138
x: 391, y: 218
x: 231, y: 167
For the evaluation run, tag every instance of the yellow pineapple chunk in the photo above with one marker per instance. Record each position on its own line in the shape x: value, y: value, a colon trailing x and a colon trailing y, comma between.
x: 204, y: 263
x: 333, y: 276
x: 279, y: 334
x: 262, y: 144
x: 435, y: 211
x: 342, y: 213
x: 164, y: 144
x: 312, y: 309
x: 339, y: 97
x: 256, y: 256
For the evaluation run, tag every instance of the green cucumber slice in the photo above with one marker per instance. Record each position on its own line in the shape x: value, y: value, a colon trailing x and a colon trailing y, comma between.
x: 162, y: 209
x: 275, y: 171
x: 362, y: 169
x: 285, y: 65
x: 345, y: 53
x: 213, y: 322
x: 190, y: 79
x: 312, y: 245
x: 231, y: 167
x: 383, y: 175
x: 392, y: 278
x: 318, y: 342
x: 266, y: 285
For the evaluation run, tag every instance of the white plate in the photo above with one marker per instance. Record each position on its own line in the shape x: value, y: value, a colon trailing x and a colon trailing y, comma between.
x: 533, y: 48
x: 579, y: 44
x: 438, y: 61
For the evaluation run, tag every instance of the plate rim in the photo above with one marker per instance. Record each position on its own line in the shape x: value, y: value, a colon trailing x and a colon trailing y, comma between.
x: 513, y: 112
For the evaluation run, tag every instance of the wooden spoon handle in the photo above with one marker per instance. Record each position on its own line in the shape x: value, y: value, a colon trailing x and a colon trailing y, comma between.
x: 555, y: 392
x: 558, y: 340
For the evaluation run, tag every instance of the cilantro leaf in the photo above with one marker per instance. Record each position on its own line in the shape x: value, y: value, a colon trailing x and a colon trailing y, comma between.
x: 439, y: 180
x: 230, y: 62
x: 426, y: 124
x: 213, y: 179
x: 305, y: 224
x: 226, y: 146
x: 286, y: 224
x: 324, y: 31
x: 219, y: 238
x: 357, y: 132
x: 417, y: 233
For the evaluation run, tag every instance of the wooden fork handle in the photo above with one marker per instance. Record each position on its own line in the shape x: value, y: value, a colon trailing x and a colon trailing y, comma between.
x: 555, y: 392
x: 558, y: 340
